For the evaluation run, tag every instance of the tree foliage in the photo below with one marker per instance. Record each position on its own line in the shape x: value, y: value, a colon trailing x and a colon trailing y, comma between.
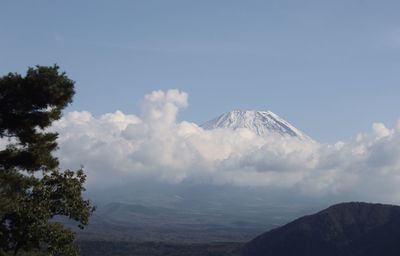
x: 33, y: 189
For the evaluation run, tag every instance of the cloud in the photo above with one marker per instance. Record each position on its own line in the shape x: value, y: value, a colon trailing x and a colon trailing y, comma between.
x: 118, y: 148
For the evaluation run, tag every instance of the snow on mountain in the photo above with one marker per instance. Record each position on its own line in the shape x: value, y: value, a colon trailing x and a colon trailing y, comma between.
x: 260, y: 122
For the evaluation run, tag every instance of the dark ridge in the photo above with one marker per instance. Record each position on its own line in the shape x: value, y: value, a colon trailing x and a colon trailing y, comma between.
x: 346, y: 229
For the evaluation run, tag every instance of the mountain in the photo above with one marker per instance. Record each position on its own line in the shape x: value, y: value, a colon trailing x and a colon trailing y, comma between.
x: 260, y: 122
x: 347, y: 229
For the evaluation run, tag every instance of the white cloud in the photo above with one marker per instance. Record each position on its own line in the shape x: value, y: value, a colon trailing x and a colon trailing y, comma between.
x: 119, y: 148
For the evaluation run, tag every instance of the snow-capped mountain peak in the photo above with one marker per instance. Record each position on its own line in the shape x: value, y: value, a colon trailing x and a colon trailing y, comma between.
x: 260, y: 122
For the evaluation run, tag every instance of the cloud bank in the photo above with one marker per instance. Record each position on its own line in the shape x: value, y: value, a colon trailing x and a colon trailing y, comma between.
x: 118, y: 148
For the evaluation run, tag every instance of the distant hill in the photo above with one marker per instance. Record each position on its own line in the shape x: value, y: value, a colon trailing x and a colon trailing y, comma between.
x: 347, y: 229
x: 191, y: 213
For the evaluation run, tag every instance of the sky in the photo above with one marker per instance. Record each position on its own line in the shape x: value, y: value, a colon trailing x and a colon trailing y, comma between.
x: 149, y: 72
x: 331, y: 68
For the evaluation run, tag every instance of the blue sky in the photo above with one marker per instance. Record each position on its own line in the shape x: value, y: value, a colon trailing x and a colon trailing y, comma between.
x: 329, y: 67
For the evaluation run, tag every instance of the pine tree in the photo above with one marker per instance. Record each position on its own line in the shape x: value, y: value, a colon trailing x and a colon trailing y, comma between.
x: 33, y: 189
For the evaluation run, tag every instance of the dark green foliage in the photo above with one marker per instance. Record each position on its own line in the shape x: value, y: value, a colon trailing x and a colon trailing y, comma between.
x: 32, y: 188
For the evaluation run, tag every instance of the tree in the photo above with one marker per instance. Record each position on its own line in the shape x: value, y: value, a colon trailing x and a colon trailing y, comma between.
x: 33, y: 189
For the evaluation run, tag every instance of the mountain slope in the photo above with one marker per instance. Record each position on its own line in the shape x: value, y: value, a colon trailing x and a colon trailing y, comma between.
x: 341, y: 230
x: 260, y: 122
